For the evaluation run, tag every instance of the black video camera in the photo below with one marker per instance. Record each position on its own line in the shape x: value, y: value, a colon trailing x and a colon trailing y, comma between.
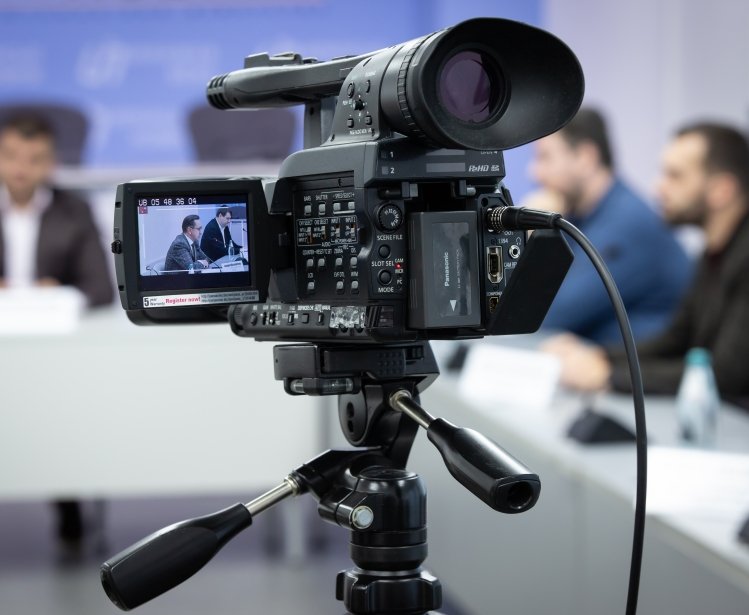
x: 378, y: 230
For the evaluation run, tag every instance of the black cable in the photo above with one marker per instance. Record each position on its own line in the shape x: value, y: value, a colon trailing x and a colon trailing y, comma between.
x: 641, y: 440
x: 521, y: 218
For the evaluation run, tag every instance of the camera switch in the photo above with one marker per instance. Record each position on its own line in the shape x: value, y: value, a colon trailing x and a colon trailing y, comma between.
x: 339, y: 262
x: 305, y: 318
x: 321, y: 264
x: 350, y: 122
x: 321, y: 209
x: 353, y: 262
x: 355, y: 287
x: 384, y: 251
x: 389, y: 217
x: 310, y: 263
x: 311, y: 287
x: 385, y: 277
x: 308, y: 210
x: 368, y: 120
x: 339, y: 287
x: 336, y: 207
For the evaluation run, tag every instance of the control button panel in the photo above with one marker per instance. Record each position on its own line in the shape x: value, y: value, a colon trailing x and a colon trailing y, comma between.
x: 335, y: 259
x: 388, y: 256
x: 327, y: 243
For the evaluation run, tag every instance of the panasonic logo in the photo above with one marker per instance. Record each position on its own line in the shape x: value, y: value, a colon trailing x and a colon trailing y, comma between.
x: 447, y: 269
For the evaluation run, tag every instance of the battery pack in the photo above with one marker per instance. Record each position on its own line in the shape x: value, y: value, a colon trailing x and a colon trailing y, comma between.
x: 444, y: 285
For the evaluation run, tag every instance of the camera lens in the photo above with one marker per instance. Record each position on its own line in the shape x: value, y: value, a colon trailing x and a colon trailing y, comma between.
x: 467, y: 86
x: 484, y: 84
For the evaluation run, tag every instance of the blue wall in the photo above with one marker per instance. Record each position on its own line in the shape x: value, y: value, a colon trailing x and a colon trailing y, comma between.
x: 136, y: 69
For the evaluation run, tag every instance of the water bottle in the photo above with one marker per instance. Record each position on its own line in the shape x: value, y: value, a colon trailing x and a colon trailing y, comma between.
x: 697, y: 400
x: 231, y: 248
x: 191, y: 268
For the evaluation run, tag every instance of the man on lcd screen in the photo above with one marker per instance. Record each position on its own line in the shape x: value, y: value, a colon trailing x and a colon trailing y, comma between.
x: 216, y: 241
x: 185, y: 254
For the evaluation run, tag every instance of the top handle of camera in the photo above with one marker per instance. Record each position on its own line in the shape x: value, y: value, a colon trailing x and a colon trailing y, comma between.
x: 471, y: 86
x: 280, y: 80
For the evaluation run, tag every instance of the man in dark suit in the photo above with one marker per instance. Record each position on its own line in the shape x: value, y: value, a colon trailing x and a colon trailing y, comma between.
x: 185, y: 253
x: 47, y: 236
x: 217, y: 236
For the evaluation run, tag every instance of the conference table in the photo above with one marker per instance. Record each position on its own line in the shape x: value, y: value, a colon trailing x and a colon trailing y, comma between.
x: 116, y: 410
x: 570, y: 554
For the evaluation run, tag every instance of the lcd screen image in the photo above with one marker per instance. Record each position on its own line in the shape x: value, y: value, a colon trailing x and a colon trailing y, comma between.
x: 183, y: 239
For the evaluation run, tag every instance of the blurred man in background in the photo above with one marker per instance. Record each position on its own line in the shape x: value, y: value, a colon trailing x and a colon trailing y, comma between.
x: 47, y: 238
x: 705, y: 182
x: 575, y: 168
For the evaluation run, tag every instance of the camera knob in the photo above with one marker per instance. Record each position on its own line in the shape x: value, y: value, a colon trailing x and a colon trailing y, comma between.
x: 389, y: 217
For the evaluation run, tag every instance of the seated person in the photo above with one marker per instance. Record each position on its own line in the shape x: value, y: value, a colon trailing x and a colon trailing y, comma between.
x: 705, y: 181
x: 47, y: 236
x: 650, y: 268
x: 185, y: 253
x: 216, y: 238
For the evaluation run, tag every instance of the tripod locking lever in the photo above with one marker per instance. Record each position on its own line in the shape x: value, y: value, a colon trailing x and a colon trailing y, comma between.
x: 478, y: 463
x: 172, y: 555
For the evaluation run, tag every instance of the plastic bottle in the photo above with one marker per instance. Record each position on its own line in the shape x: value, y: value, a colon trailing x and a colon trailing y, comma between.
x: 231, y: 248
x: 697, y: 401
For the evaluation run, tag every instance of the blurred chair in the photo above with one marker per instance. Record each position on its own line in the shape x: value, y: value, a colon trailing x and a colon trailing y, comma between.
x: 222, y: 136
x: 70, y: 126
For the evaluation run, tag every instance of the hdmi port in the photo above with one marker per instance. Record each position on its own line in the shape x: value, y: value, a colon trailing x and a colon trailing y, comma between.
x: 494, y: 264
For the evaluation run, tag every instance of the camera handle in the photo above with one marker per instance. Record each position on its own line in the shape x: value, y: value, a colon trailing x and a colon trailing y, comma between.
x: 366, y: 490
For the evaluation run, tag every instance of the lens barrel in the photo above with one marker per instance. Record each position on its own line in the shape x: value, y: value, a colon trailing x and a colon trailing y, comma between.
x: 484, y: 84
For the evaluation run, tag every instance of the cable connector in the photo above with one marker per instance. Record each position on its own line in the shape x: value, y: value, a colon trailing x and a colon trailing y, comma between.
x: 520, y: 219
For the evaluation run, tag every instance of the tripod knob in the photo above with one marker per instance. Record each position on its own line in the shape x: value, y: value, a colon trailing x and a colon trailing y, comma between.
x: 370, y: 594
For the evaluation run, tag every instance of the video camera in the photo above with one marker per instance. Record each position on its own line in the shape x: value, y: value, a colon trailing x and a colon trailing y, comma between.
x: 387, y: 226
x: 390, y: 228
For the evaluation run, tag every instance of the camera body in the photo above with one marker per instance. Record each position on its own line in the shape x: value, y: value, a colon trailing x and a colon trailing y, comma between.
x: 376, y: 231
x: 389, y: 250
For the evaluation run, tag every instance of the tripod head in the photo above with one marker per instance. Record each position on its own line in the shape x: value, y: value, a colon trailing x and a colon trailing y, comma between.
x: 367, y: 489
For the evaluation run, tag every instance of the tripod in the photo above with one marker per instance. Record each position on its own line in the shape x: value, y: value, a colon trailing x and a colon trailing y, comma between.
x: 367, y: 489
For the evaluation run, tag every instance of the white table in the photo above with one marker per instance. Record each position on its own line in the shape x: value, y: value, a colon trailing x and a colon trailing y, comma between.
x: 571, y: 553
x: 120, y: 410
